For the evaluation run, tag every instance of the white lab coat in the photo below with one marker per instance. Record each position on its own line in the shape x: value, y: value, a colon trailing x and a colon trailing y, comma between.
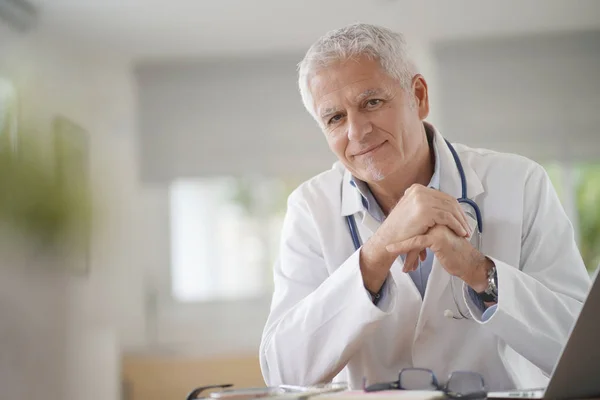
x: 323, y: 325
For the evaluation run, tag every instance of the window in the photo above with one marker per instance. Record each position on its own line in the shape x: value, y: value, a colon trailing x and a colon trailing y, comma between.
x: 578, y: 186
x: 225, y: 236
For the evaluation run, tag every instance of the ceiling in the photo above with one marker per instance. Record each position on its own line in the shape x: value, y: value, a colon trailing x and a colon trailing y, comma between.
x: 156, y: 29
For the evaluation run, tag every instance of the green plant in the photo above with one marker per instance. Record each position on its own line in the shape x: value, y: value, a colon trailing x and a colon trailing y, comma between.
x: 35, y: 198
x: 588, y: 204
x: 587, y: 196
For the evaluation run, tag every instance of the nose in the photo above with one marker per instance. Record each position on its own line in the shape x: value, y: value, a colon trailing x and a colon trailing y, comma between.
x: 358, y: 126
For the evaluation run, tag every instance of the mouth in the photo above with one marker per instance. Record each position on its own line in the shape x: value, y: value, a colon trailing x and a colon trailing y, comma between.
x: 369, y: 149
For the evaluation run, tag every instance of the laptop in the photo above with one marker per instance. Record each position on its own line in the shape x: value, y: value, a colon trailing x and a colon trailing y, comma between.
x: 577, y: 372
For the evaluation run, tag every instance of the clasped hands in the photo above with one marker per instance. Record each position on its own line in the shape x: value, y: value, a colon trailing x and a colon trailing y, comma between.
x: 424, y: 218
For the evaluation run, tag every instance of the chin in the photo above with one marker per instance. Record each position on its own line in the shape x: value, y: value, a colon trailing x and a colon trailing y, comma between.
x: 376, y: 169
x: 375, y: 172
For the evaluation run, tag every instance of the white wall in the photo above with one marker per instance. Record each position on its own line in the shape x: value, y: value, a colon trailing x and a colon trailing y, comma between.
x: 538, y: 96
x: 99, y: 96
x: 226, y: 116
x: 105, y: 309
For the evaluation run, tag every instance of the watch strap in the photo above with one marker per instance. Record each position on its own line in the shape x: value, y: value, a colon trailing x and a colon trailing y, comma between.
x: 376, y: 297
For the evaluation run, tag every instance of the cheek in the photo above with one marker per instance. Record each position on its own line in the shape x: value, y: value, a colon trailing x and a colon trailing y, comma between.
x: 388, y: 119
x: 338, y: 142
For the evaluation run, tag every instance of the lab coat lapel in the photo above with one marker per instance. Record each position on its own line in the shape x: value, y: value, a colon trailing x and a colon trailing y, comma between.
x: 351, y: 201
x: 352, y: 205
x: 450, y: 183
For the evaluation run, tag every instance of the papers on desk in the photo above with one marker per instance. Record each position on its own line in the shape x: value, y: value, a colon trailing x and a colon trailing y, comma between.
x: 361, y: 395
x: 383, y: 395
x: 331, y: 391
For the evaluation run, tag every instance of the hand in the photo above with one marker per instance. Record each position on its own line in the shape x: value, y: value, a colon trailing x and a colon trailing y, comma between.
x: 419, y: 210
x: 455, y: 253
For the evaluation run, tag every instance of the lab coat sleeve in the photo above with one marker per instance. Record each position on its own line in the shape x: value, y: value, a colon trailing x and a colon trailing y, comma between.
x: 540, y: 299
x: 318, y: 319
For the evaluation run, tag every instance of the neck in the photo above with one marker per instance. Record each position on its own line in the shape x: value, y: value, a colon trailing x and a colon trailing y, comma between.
x: 390, y: 190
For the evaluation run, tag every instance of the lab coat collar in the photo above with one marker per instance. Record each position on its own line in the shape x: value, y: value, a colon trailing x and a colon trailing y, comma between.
x: 351, y: 197
x: 449, y: 178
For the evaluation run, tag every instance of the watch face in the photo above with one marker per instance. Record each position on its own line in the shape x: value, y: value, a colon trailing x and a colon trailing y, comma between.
x: 490, y: 295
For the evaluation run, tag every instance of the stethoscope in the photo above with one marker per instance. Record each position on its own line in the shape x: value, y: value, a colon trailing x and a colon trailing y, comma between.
x: 472, y: 210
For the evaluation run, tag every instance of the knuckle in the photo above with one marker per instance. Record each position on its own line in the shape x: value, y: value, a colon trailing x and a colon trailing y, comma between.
x: 419, y: 207
x: 421, y: 203
x: 443, y: 216
x: 430, y: 223
x: 414, y: 189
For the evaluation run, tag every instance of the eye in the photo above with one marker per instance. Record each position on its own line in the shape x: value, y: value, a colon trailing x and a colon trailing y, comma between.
x: 336, y: 118
x: 373, y: 103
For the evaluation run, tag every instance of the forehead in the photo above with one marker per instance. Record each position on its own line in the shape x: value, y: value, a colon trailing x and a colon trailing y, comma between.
x: 345, y: 81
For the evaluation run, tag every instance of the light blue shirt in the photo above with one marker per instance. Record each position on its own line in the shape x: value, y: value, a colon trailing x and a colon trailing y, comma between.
x: 421, y: 274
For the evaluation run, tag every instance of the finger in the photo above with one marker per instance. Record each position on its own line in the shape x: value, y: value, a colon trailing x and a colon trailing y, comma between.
x: 417, y: 260
x: 458, y: 213
x: 417, y: 263
x: 417, y: 243
x: 443, y: 217
x: 465, y: 219
x: 428, y: 198
x: 423, y: 255
x: 411, y: 261
x: 446, y: 202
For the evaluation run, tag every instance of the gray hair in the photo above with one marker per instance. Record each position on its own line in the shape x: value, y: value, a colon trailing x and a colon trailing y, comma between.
x: 350, y: 42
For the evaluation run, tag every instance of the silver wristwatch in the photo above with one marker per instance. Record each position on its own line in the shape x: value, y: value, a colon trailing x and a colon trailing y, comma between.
x: 490, y: 294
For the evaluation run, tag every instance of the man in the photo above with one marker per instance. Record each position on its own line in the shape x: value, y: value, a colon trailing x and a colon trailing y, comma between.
x: 382, y: 269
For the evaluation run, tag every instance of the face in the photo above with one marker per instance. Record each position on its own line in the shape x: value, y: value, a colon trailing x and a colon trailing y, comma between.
x: 372, y: 124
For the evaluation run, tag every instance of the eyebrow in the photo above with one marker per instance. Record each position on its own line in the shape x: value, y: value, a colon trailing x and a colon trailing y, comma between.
x: 328, y: 111
x: 367, y: 93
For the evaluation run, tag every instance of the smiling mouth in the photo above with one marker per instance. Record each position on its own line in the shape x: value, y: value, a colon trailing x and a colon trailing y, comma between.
x: 369, y: 150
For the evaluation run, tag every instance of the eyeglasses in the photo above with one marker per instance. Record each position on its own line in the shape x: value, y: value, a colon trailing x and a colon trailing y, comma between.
x: 460, y: 385
x: 196, y: 392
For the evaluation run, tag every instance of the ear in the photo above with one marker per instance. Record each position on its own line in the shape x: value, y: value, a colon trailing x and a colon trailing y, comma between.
x: 421, y: 95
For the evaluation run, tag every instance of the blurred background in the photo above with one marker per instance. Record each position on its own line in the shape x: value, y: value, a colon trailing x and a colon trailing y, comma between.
x: 184, y: 121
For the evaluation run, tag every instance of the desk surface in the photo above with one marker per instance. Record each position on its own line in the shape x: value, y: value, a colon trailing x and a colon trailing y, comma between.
x: 158, y: 377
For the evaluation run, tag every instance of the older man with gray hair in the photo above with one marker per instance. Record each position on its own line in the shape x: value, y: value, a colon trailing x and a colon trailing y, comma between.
x: 383, y: 264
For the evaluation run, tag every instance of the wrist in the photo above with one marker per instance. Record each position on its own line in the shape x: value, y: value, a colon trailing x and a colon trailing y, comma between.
x: 375, y: 263
x: 478, y: 277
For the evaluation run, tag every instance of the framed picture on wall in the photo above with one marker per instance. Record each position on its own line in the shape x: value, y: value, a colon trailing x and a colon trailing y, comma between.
x: 71, y: 148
